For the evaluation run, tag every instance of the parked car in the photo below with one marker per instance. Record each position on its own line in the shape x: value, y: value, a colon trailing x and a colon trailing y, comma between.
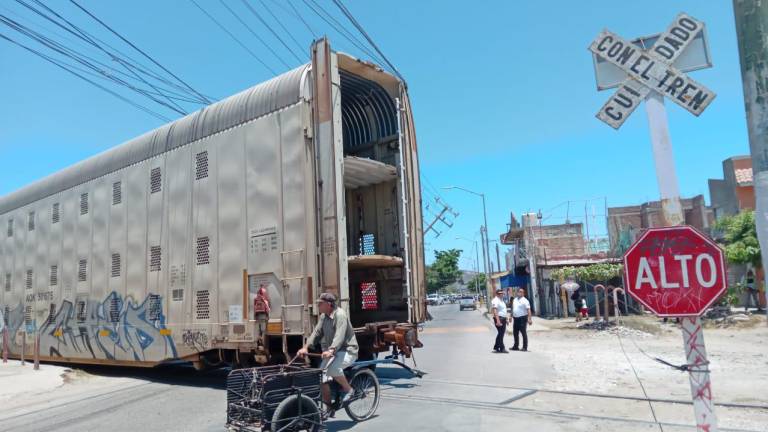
x: 467, y: 302
x: 434, y: 299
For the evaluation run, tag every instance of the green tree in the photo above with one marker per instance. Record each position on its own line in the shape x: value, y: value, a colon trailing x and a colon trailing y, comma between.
x: 740, y: 238
x: 480, y: 278
x: 600, y: 272
x: 444, y: 271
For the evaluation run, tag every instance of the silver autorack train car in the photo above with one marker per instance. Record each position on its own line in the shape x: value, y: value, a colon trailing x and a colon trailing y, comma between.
x: 153, y: 251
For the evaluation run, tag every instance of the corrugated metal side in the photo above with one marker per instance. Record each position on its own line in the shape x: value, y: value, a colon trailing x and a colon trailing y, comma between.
x: 267, y: 97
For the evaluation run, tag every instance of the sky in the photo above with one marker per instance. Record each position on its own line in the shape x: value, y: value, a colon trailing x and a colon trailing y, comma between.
x: 503, y: 94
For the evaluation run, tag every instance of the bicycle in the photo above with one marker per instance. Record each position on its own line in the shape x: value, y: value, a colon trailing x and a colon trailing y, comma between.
x: 286, y: 398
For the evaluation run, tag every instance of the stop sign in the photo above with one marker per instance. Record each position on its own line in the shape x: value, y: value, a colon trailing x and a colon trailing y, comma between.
x: 675, y: 271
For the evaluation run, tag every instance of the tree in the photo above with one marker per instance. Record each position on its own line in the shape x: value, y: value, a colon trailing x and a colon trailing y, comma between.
x: 444, y: 271
x: 600, y: 272
x: 740, y: 238
x: 478, y: 278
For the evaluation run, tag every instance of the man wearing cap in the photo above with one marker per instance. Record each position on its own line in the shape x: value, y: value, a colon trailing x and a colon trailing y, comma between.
x: 337, y: 340
x: 499, y: 309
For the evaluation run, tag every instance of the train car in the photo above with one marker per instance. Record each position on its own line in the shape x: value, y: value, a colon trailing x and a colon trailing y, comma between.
x: 153, y: 251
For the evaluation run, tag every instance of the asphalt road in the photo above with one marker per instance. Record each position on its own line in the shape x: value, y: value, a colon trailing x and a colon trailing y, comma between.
x: 467, y: 388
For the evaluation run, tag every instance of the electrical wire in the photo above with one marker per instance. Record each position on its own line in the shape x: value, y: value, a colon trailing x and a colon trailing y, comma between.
x: 280, y: 23
x: 360, y: 28
x: 299, y: 16
x: 231, y: 35
x: 256, y: 35
x: 93, y: 42
x: 139, y: 50
x: 341, y: 30
x: 64, y: 67
x: 271, y: 30
x: 67, y: 52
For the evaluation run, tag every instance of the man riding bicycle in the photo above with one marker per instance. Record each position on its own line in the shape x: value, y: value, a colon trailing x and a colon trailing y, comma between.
x: 339, y: 346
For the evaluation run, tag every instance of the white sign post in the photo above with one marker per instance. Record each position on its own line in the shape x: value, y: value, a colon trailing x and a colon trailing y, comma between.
x: 651, y: 75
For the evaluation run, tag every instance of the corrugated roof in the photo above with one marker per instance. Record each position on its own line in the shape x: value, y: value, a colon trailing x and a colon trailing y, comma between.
x: 743, y: 176
x: 257, y: 101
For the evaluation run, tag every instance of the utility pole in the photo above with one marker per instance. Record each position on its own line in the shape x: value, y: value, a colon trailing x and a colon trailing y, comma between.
x: 440, y: 217
x: 498, y: 258
x: 752, y: 32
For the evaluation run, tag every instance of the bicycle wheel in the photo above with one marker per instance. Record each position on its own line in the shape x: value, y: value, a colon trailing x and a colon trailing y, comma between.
x: 296, y: 413
x: 365, y: 401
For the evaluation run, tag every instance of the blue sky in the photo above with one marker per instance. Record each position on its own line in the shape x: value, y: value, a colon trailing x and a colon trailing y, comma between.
x: 503, y: 93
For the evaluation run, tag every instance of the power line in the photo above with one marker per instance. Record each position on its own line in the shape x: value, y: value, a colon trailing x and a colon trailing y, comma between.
x: 64, y: 67
x: 91, y: 41
x: 340, y: 29
x: 140, y: 51
x: 280, y: 23
x: 55, y: 46
x: 242, y: 45
x: 269, y: 27
x: 256, y: 35
x: 360, y: 28
x: 299, y: 16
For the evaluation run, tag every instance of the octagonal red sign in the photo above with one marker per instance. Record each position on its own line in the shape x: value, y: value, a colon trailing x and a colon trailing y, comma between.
x: 675, y: 271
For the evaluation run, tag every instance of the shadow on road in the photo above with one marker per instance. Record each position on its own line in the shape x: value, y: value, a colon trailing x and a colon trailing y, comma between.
x: 342, y: 425
x: 182, y: 375
x: 388, y: 376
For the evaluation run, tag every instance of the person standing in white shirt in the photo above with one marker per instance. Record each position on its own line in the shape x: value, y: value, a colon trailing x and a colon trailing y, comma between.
x: 499, y: 310
x: 521, y: 319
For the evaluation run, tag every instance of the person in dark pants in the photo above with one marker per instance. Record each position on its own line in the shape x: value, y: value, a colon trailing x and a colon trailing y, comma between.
x: 499, y: 310
x: 521, y: 319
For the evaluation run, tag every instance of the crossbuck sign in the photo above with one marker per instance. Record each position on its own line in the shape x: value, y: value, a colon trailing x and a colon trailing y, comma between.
x: 650, y: 70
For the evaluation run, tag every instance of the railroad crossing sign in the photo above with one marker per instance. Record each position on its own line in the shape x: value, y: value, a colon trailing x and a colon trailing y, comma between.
x: 651, y: 70
x: 675, y: 271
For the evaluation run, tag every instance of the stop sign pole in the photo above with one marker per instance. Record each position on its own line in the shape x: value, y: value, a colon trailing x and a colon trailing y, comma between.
x: 651, y: 76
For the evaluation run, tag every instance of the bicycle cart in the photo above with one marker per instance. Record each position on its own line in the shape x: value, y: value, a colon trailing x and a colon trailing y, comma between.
x: 286, y: 398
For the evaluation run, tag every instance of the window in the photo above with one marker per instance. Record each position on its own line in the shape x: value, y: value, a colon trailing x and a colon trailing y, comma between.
x: 7, y: 282
x: 203, y: 251
x: 155, y: 181
x: 117, y: 193
x: 28, y: 283
x: 201, y: 165
x: 369, y: 296
x: 82, y: 270
x: 31, y: 221
x: 154, y: 258
x: 202, y: 309
x: 55, y: 216
x: 54, y: 275
x: 116, y: 265
x: 83, y: 203
x: 155, y: 310
x: 10, y: 227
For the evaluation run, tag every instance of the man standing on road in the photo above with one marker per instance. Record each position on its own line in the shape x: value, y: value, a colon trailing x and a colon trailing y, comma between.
x: 338, y: 343
x: 499, y: 310
x: 521, y: 319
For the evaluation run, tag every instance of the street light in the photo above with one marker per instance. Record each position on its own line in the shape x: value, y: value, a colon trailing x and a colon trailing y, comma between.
x: 486, y: 250
x: 477, y: 263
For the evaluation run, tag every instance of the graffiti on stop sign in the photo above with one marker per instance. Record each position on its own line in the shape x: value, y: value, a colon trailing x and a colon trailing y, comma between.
x: 675, y: 271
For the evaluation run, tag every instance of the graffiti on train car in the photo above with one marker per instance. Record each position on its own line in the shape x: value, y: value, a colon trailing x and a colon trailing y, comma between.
x: 115, y: 329
x: 195, y: 339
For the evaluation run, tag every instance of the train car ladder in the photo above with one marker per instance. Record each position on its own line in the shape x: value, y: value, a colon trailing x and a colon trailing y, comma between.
x: 292, y: 272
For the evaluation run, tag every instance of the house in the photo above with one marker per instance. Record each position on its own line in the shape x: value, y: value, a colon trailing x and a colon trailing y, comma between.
x: 735, y: 191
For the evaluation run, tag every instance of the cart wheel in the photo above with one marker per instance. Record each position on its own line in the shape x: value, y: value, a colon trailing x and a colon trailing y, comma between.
x: 366, y: 397
x: 296, y: 413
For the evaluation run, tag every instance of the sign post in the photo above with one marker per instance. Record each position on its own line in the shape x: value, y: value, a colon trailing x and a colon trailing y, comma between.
x: 653, y: 69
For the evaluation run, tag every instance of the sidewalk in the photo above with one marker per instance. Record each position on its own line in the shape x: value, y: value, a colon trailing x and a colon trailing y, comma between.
x: 23, y: 381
